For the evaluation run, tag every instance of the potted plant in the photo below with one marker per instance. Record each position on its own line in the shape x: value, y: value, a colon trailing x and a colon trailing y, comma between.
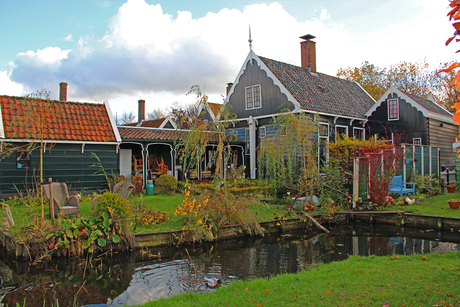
x: 451, y: 188
x: 454, y: 203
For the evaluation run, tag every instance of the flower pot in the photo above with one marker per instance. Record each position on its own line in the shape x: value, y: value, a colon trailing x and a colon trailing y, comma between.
x: 454, y: 204
x: 451, y: 188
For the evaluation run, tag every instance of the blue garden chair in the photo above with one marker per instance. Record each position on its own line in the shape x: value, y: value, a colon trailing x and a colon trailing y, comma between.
x: 398, y: 186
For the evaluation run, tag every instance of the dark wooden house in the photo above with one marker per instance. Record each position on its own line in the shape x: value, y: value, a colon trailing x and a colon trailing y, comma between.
x: 76, y: 132
x: 264, y: 88
x: 415, y: 121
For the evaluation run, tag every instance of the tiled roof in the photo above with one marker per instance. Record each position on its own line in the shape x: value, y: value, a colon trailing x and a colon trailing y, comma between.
x: 158, y: 134
x: 429, y: 105
x: 215, y: 108
x: 64, y: 121
x: 139, y: 133
x: 153, y: 123
x: 321, y: 93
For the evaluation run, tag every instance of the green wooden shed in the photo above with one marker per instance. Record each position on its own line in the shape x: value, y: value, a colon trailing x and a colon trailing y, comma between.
x: 77, y: 136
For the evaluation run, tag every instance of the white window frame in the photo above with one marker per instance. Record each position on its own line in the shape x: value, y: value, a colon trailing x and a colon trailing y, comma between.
x: 397, y: 108
x: 262, y: 132
x: 417, y: 139
x: 251, y: 88
x: 340, y: 126
x: 361, y: 129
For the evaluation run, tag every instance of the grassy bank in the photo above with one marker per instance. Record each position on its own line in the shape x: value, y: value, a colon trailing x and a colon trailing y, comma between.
x: 434, y: 280
x: 435, y: 206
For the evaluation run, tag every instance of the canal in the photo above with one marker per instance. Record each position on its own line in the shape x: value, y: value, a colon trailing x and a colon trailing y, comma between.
x: 128, y: 278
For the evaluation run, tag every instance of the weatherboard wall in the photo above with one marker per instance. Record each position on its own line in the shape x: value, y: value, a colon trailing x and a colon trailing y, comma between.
x: 73, y: 164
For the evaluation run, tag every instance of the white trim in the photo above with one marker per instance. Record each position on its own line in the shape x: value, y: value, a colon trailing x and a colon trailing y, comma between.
x: 295, y: 111
x: 425, y: 112
x: 362, y: 129
x: 2, y: 132
x: 252, y: 56
x: 340, y: 126
x: 252, y: 97
x: 112, y: 121
x: 388, y: 109
x: 413, y: 141
x: 168, y: 119
x: 59, y: 142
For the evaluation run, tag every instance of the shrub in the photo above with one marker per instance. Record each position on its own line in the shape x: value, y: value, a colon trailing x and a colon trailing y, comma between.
x: 427, y: 184
x: 115, y: 205
x: 166, y: 184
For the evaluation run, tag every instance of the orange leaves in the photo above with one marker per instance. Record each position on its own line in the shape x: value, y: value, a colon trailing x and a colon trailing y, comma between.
x: 328, y: 292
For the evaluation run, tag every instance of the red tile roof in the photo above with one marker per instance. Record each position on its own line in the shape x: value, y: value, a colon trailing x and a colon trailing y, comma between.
x: 64, y: 121
x: 215, y: 108
x: 153, y: 123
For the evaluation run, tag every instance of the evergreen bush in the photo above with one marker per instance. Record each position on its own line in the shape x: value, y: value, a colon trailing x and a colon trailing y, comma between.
x: 166, y: 184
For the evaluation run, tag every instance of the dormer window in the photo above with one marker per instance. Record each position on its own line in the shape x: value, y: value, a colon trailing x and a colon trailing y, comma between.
x: 393, y: 109
x: 253, y: 99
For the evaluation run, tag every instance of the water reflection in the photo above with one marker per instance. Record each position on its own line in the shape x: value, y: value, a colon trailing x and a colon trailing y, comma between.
x: 134, y: 278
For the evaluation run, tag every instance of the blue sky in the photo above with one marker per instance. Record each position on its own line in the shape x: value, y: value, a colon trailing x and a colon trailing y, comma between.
x: 122, y: 51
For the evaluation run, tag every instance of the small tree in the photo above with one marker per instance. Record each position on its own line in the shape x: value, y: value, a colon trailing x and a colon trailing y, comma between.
x: 33, y: 117
x: 290, y: 157
x: 203, y: 133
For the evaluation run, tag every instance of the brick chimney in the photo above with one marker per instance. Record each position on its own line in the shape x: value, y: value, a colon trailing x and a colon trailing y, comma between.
x: 141, y: 112
x: 308, y: 52
x: 229, y: 86
x: 63, y: 91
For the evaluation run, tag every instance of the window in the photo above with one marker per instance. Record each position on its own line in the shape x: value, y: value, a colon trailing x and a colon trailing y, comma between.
x: 417, y: 141
x: 340, y: 130
x: 358, y: 133
x: 262, y: 132
x: 253, y: 99
x: 393, y: 109
x: 22, y: 159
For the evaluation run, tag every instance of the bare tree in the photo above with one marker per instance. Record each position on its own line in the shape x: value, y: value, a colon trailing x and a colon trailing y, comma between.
x: 126, y: 118
x: 157, y: 113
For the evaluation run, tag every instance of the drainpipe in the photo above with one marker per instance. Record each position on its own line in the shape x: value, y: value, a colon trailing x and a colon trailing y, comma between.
x: 252, y: 147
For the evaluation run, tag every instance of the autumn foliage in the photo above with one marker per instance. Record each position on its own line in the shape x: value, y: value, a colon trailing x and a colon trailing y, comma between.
x: 454, y: 15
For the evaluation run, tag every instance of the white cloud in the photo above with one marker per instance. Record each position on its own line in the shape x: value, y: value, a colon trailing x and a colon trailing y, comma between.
x: 324, y: 15
x: 68, y: 38
x: 8, y: 87
x: 148, y: 54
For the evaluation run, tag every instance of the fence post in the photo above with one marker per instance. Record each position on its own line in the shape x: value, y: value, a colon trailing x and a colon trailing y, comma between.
x: 50, y: 181
x: 355, y: 181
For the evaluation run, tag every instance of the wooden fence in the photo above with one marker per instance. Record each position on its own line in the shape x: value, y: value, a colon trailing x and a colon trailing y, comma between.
x: 424, y: 160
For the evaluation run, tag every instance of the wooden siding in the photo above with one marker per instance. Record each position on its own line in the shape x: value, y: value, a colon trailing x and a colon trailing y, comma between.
x: 411, y: 123
x: 63, y: 163
x: 272, y: 100
x: 443, y: 135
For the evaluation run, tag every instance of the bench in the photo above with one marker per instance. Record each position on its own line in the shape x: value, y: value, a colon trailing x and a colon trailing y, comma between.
x: 398, y: 186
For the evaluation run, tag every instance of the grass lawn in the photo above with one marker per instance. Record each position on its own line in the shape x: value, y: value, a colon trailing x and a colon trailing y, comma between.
x: 24, y: 210
x: 435, y: 205
x: 434, y: 280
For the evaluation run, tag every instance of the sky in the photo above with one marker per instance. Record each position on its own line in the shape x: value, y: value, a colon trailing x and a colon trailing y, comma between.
x: 156, y: 50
